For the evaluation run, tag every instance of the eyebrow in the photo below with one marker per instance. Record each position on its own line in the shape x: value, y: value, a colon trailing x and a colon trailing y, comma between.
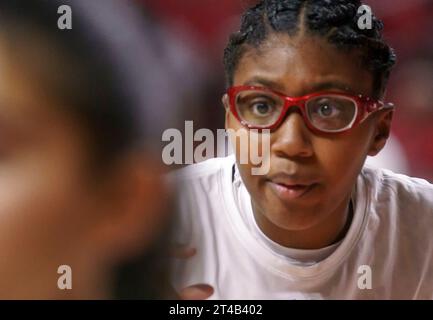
x: 321, y: 86
x: 259, y: 81
x: 329, y: 85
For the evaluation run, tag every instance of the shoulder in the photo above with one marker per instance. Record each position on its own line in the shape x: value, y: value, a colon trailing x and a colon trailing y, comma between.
x: 209, y: 169
x: 397, y: 200
x: 385, y: 184
x: 400, y: 220
x: 200, y: 190
x: 203, y: 186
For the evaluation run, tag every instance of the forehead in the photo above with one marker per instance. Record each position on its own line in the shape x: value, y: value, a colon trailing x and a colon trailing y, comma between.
x: 303, y: 64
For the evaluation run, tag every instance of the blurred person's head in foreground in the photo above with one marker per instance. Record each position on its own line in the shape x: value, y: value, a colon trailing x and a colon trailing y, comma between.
x: 79, y: 173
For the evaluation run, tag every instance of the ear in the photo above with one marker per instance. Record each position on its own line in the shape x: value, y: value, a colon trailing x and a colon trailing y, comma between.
x: 226, y: 104
x: 136, y: 201
x: 382, y: 131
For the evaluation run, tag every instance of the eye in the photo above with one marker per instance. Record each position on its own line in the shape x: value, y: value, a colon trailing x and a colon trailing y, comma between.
x: 258, y: 107
x: 328, y: 109
x: 325, y: 110
x: 261, y: 108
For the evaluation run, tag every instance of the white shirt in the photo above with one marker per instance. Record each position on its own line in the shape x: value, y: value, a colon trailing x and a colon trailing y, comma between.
x: 387, y: 252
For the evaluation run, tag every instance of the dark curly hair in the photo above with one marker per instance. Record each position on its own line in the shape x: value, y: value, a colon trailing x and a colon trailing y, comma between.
x: 336, y: 20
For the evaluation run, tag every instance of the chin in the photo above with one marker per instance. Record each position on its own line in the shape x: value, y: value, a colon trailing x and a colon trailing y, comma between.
x: 293, y: 219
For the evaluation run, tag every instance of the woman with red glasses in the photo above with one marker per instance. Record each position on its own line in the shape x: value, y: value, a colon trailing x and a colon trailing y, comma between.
x: 320, y: 224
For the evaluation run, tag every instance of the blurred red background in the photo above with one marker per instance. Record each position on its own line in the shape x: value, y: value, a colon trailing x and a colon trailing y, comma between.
x: 198, y: 31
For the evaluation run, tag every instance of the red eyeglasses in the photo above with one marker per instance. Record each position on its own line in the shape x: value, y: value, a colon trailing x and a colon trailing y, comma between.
x: 323, y: 112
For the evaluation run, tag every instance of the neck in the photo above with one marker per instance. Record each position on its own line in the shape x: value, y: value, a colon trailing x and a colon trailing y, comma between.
x: 321, y: 235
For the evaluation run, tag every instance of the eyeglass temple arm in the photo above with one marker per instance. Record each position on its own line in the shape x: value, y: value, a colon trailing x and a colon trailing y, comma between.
x: 379, y: 105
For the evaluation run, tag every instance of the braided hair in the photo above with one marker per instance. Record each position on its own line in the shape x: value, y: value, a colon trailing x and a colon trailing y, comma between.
x: 335, y: 20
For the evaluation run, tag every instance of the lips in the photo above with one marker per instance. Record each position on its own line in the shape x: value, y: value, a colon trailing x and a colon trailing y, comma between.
x: 290, y: 187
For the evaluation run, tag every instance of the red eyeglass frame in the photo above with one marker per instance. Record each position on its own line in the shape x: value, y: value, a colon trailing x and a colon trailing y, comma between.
x: 365, y: 106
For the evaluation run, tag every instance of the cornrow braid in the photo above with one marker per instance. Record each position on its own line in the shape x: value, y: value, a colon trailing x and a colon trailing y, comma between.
x: 335, y: 20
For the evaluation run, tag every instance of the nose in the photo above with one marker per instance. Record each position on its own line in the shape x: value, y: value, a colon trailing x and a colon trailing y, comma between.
x: 293, y: 138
